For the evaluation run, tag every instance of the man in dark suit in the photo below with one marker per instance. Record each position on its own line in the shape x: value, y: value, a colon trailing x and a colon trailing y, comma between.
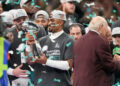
x: 93, y: 63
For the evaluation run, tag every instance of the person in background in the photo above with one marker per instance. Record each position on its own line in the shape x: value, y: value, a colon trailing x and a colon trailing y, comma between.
x: 93, y: 62
x: 41, y: 19
x: 116, y: 46
x: 32, y: 6
x: 8, y: 21
x: 69, y: 6
x: 76, y: 31
x: 4, y: 47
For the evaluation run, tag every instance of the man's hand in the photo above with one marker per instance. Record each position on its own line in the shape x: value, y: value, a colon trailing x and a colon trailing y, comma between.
x: 42, y: 59
x: 19, y: 72
x: 30, y: 61
x: 70, y: 63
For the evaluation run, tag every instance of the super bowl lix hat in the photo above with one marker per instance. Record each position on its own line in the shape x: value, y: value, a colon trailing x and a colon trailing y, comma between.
x: 42, y: 12
x: 58, y: 15
x: 116, y: 31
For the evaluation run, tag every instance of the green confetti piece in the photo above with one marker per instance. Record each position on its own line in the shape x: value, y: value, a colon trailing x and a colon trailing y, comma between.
x: 30, y: 54
x: 118, y: 17
x: 102, y: 8
x: 86, y: 5
x: 26, y: 57
x: 54, y: 57
x: 10, y: 1
x: 32, y: 34
x: 68, y: 44
x: 94, y: 14
x: 17, y: 2
x: 45, y: 0
x: 113, y: 22
x: 19, y: 52
x: 51, y: 57
x: 74, y: 19
x: 37, y: 6
x: 57, y: 80
x: 39, y: 80
x: 90, y: 15
x: 33, y: 59
x: 33, y: 2
x: 22, y: 50
x: 21, y: 32
x: 108, y: 20
x: 114, y: 11
x: 86, y: 24
x: 30, y: 83
x: 24, y: 39
x: 28, y: 72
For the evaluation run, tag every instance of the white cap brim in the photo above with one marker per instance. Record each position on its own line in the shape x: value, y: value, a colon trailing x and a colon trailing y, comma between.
x: 116, y: 31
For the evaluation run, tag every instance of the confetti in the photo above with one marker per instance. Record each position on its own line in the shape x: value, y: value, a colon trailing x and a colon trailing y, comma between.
x: 86, y: 24
x: 68, y: 44
x: 102, y: 8
x: 25, y: 57
x: 28, y: 72
x: 17, y: 2
x: 30, y: 54
x: 24, y: 39
x: 37, y: 6
x: 32, y: 34
x: 39, y: 80
x: 30, y: 83
x: 118, y: 17
x: 114, y: 11
x: 19, y: 52
x: 33, y: 2
x: 57, y: 80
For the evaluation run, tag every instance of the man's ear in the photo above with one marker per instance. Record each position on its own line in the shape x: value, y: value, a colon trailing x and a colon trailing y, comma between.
x: 100, y: 27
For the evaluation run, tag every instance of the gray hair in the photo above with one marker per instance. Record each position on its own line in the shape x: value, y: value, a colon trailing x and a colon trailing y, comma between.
x: 94, y: 25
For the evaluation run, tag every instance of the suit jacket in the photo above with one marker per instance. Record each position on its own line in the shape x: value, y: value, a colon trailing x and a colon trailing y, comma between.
x: 92, y: 61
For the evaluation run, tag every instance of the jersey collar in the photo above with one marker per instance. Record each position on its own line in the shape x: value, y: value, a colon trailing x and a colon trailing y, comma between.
x: 56, y: 35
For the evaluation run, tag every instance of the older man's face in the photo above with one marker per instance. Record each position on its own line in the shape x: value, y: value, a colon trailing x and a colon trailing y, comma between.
x: 109, y: 36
